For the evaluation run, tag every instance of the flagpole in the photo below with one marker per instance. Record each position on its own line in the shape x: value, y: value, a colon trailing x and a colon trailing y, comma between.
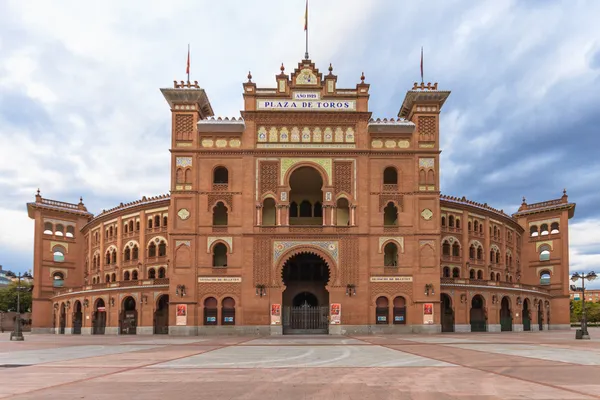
x: 306, y: 30
x: 188, y: 64
x: 422, y: 65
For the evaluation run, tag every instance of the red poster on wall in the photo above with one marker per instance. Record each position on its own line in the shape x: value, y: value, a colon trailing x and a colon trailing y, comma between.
x: 336, y: 313
x: 275, y: 314
x: 428, y: 313
x: 181, y: 314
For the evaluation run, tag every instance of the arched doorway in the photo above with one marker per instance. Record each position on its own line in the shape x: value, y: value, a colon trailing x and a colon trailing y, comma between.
x: 477, y: 314
x: 161, y: 316
x: 400, y: 310
x: 382, y: 310
x: 228, y: 311
x: 447, y: 313
x: 305, y: 298
x: 77, y: 318
x: 306, y: 194
x: 210, y: 311
x: 505, y: 315
x: 526, y: 315
x: 128, y: 317
x: 99, y: 318
x: 63, y: 319
x: 540, y: 316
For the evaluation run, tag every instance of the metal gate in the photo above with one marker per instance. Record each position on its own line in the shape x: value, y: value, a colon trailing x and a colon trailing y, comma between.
x: 305, y: 320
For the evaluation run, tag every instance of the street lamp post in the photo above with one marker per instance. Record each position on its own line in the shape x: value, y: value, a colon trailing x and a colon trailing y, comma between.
x: 590, y: 276
x: 17, y: 333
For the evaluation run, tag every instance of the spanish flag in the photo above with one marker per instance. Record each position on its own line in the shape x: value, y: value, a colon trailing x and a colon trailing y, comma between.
x: 187, y: 68
x: 306, y: 17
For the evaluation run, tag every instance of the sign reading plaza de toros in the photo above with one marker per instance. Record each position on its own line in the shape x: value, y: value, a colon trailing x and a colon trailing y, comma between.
x: 306, y: 105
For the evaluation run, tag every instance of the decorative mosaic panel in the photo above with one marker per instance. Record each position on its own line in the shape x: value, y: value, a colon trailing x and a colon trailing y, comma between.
x: 426, y: 243
x: 426, y: 214
x: 287, y: 163
x: 306, y: 135
x: 342, y: 176
x: 426, y: 162
x: 182, y: 242
x: 184, y: 126
x: 183, y: 161
x: 207, y: 143
x: 227, y: 239
x: 268, y: 176
x: 392, y: 289
x: 426, y: 125
x: 221, y: 143
x: 399, y: 240
x: 183, y: 214
x: 214, y: 198
x: 540, y: 244
x: 235, y: 143
x: 349, y: 256
x: 262, y: 263
x: 330, y: 247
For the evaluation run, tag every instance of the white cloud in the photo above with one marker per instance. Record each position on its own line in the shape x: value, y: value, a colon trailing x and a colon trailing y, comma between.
x: 584, y: 248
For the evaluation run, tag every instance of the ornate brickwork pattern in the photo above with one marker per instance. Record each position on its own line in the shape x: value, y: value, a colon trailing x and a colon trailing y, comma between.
x: 349, y: 264
x: 330, y: 247
x: 220, y: 289
x: 184, y: 126
x: 268, y: 176
x: 227, y: 239
x: 398, y: 239
x: 385, y: 198
x: 392, y: 289
x: 342, y: 179
x: 287, y: 163
x: 262, y: 263
x: 226, y: 198
x: 426, y: 125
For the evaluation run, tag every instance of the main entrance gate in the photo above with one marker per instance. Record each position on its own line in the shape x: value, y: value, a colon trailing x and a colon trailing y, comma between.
x: 305, y: 320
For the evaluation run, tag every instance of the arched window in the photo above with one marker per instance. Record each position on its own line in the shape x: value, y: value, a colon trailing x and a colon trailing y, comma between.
x: 492, y: 276
x: 443, y: 221
x: 390, y: 176
x: 114, y: 277
x: 342, y: 212
x: 390, y: 256
x: 457, y: 223
x: 293, y: 210
x: 481, y: 228
x: 544, y: 253
x: 162, y: 249
x: 58, y: 254
x: 151, y: 273
x: 48, y: 228
x: 446, y: 272
x: 269, y: 212
x: 498, y: 277
x: 480, y: 274
x: 127, y: 254
x: 381, y: 310
x: 152, y: 250
x: 134, y: 275
x: 469, y: 226
x: 220, y: 215
x: 125, y: 228
x: 480, y: 253
x: 497, y: 256
x: 472, y: 274
x: 451, y: 221
x: 455, y: 272
x: 137, y: 225
x: 131, y: 226
x: 114, y: 256
x: 492, y: 256
x: 545, y: 278
x: 305, y: 209
x: 58, y: 279
x: 165, y: 220
x: 221, y: 175
x: 156, y: 221
x: 472, y: 252
x: 108, y: 258
x: 110, y: 232
x: 228, y: 311
x: 161, y: 273
x: 107, y: 278
x: 134, y: 252
x: 533, y: 231
x: 399, y: 310
x: 210, y: 311
x: 554, y: 227
x: 179, y: 175
x: 318, y: 210
x: 446, y: 248
x: 390, y: 215
x: 476, y: 225
x: 59, y: 230
x: 219, y: 255
x: 455, y: 249
x: 188, y: 175
x: 495, y: 231
x: 149, y: 223
x: 126, y: 276
x: 70, y: 231
x: 544, y: 229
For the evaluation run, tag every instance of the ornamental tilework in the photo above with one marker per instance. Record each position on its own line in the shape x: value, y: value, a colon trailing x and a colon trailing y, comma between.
x: 182, y: 242
x: 227, y: 239
x: 330, y: 247
x: 426, y: 242
x: 399, y: 240
x: 287, y: 163
x: 426, y: 162
x: 183, y: 162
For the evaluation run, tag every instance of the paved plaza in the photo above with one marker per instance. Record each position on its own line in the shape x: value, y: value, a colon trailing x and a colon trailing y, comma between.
x: 540, y: 365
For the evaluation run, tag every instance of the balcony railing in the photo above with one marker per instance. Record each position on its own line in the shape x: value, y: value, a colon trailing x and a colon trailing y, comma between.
x: 111, y: 285
x: 390, y: 187
x: 450, y: 258
x: 447, y: 228
x: 220, y: 187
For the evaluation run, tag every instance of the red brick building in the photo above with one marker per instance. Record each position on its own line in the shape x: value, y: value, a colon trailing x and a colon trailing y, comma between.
x: 302, y: 215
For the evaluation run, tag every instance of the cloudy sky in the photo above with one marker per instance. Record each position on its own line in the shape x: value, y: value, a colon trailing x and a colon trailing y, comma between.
x: 81, y: 112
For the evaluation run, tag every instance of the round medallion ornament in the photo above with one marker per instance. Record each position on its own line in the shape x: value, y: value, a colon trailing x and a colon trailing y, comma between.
x: 183, y: 214
x: 426, y: 214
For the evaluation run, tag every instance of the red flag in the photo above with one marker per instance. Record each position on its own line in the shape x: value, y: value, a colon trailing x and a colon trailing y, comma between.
x: 187, y: 69
x: 421, y: 63
x: 306, y: 17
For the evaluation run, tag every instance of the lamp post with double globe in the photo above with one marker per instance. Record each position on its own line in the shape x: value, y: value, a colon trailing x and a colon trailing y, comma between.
x: 17, y: 333
x: 590, y: 276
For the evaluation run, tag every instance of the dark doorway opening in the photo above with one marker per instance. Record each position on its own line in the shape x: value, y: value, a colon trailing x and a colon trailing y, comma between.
x: 540, y: 317
x: 129, y: 317
x: 161, y: 316
x: 478, y: 316
x: 526, y: 316
x: 305, y: 299
x: 77, y: 318
x: 447, y: 313
x: 99, y: 318
x: 505, y: 316
x: 63, y: 319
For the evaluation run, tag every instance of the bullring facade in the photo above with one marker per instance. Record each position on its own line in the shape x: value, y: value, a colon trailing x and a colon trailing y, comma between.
x: 303, y: 215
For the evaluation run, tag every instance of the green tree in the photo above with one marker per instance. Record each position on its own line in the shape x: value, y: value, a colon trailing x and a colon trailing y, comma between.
x: 8, y: 297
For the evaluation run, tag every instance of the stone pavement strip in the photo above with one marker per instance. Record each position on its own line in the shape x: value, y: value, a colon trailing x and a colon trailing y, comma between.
x: 527, y: 365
